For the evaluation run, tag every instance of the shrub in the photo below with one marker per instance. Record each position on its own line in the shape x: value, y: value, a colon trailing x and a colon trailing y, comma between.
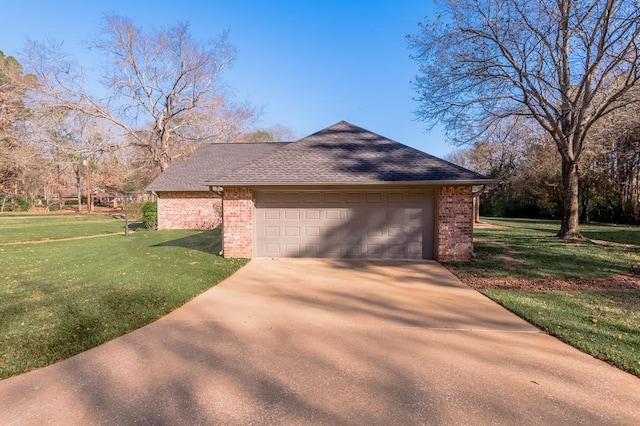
x: 5, y: 204
x: 150, y: 214
x: 22, y: 204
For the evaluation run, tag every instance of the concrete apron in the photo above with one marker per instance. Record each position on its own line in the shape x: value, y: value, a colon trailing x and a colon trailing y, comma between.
x: 329, y: 342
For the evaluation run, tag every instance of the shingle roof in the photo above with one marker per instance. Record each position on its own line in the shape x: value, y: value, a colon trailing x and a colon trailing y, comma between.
x: 209, y: 161
x: 344, y: 154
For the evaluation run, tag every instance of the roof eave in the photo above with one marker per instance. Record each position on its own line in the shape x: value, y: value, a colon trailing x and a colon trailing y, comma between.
x: 459, y: 182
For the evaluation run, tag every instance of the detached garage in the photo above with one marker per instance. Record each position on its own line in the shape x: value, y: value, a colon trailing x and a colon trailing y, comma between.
x: 346, y: 192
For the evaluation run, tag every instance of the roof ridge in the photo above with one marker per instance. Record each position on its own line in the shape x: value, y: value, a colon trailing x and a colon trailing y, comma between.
x: 244, y: 143
x: 344, y: 153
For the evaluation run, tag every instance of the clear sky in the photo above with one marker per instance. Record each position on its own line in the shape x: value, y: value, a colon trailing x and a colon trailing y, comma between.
x: 307, y: 64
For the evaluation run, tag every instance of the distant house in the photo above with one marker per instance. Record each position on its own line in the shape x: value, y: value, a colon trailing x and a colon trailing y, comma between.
x: 343, y: 192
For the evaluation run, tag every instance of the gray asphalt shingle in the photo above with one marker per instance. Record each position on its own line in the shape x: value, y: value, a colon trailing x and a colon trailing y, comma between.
x: 207, y: 162
x: 340, y: 154
x: 344, y: 154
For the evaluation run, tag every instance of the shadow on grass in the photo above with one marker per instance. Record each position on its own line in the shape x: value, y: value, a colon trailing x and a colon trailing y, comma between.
x: 207, y: 241
x: 536, y: 252
x: 549, y: 256
x: 134, y: 226
x: 626, y: 235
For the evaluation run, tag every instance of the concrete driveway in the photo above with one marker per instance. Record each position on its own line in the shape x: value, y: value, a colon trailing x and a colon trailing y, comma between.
x: 329, y: 342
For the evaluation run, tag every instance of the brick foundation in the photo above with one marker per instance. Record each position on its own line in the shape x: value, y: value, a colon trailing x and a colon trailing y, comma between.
x: 189, y: 210
x: 238, y: 222
x: 455, y: 224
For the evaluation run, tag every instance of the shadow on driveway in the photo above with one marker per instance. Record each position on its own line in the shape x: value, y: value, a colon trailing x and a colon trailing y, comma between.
x: 329, y: 342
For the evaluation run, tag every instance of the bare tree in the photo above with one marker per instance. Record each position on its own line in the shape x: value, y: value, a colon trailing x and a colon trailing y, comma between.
x: 563, y: 64
x: 163, y: 88
x: 74, y: 143
x: 277, y: 133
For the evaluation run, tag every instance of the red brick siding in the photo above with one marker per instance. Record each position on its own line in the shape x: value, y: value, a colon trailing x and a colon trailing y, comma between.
x: 455, y: 224
x: 238, y: 222
x: 189, y: 210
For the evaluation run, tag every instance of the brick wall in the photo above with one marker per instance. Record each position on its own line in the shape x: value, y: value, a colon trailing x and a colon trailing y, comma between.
x: 238, y: 222
x: 189, y: 210
x: 455, y: 224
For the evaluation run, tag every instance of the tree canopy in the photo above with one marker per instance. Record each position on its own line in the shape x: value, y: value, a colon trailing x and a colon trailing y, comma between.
x: 164, y: 89
x: 562, y: 65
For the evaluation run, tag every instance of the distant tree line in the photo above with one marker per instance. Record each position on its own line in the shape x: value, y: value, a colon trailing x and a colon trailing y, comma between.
x: 162, y: 93
x: 527, y: 171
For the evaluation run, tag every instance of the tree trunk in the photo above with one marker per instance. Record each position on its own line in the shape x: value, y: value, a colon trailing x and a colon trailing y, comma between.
x: 584, y: 204
x: 570, y: 210
x: 476, y: 209
x: 78, y: 190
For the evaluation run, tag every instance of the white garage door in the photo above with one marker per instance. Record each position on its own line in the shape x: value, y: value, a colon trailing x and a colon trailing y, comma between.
x: 346, y: 224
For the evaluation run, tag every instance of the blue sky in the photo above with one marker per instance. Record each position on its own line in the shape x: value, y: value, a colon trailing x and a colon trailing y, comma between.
x: 308, y: 64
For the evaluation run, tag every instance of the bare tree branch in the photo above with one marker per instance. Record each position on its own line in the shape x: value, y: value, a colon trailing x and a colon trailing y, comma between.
x: 164, y: 89
x: 563, y: 64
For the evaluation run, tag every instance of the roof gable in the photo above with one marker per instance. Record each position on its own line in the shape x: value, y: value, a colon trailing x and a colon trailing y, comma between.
x: 344, y: 154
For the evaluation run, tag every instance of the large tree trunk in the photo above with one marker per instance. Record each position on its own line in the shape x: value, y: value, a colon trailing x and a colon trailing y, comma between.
x: 570, y: 210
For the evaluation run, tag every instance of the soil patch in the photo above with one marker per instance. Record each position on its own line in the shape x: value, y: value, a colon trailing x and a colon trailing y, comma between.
x: 508, y: 257
x: 618, y: 282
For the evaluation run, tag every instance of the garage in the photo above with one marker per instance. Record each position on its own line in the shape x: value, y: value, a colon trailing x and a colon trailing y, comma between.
x: 372, y: 224
x: 346, y: 192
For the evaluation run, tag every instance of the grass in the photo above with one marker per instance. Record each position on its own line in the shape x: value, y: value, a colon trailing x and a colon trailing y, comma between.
x: 538, y: 253
x: 604, y: 324
x: 60, y: 298
x: 21, y: 229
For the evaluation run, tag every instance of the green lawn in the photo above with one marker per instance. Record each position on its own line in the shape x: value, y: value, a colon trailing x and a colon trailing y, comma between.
x: 57, y: 227
x: 605, y: 324
x: 59, y: 298
x: 538, y: 253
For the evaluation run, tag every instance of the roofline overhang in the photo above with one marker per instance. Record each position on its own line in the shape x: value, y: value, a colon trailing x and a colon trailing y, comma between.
x: 469, y: 182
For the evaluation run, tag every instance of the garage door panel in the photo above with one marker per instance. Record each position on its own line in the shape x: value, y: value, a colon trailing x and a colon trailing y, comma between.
x: 272, y: 214
x: 395, y: 197
x: 312, y: 197
x: 353, y: 251
x: 396, y: 251
x: 313, y: 250
x: 414, y: 250
x: 291, y: 197
x: 292, y: 231
x: 292, y: 214
x: 312, y: 231
x: 332, y: 197
x: 312, y: 214
x: 333, y: 214
x: 292, y: 249
x: 365, y: 224
x: 272, y: 249
x: 374, y: 197
x: 353, y: 197
x: 271, y: 231
x: 374, y: 250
